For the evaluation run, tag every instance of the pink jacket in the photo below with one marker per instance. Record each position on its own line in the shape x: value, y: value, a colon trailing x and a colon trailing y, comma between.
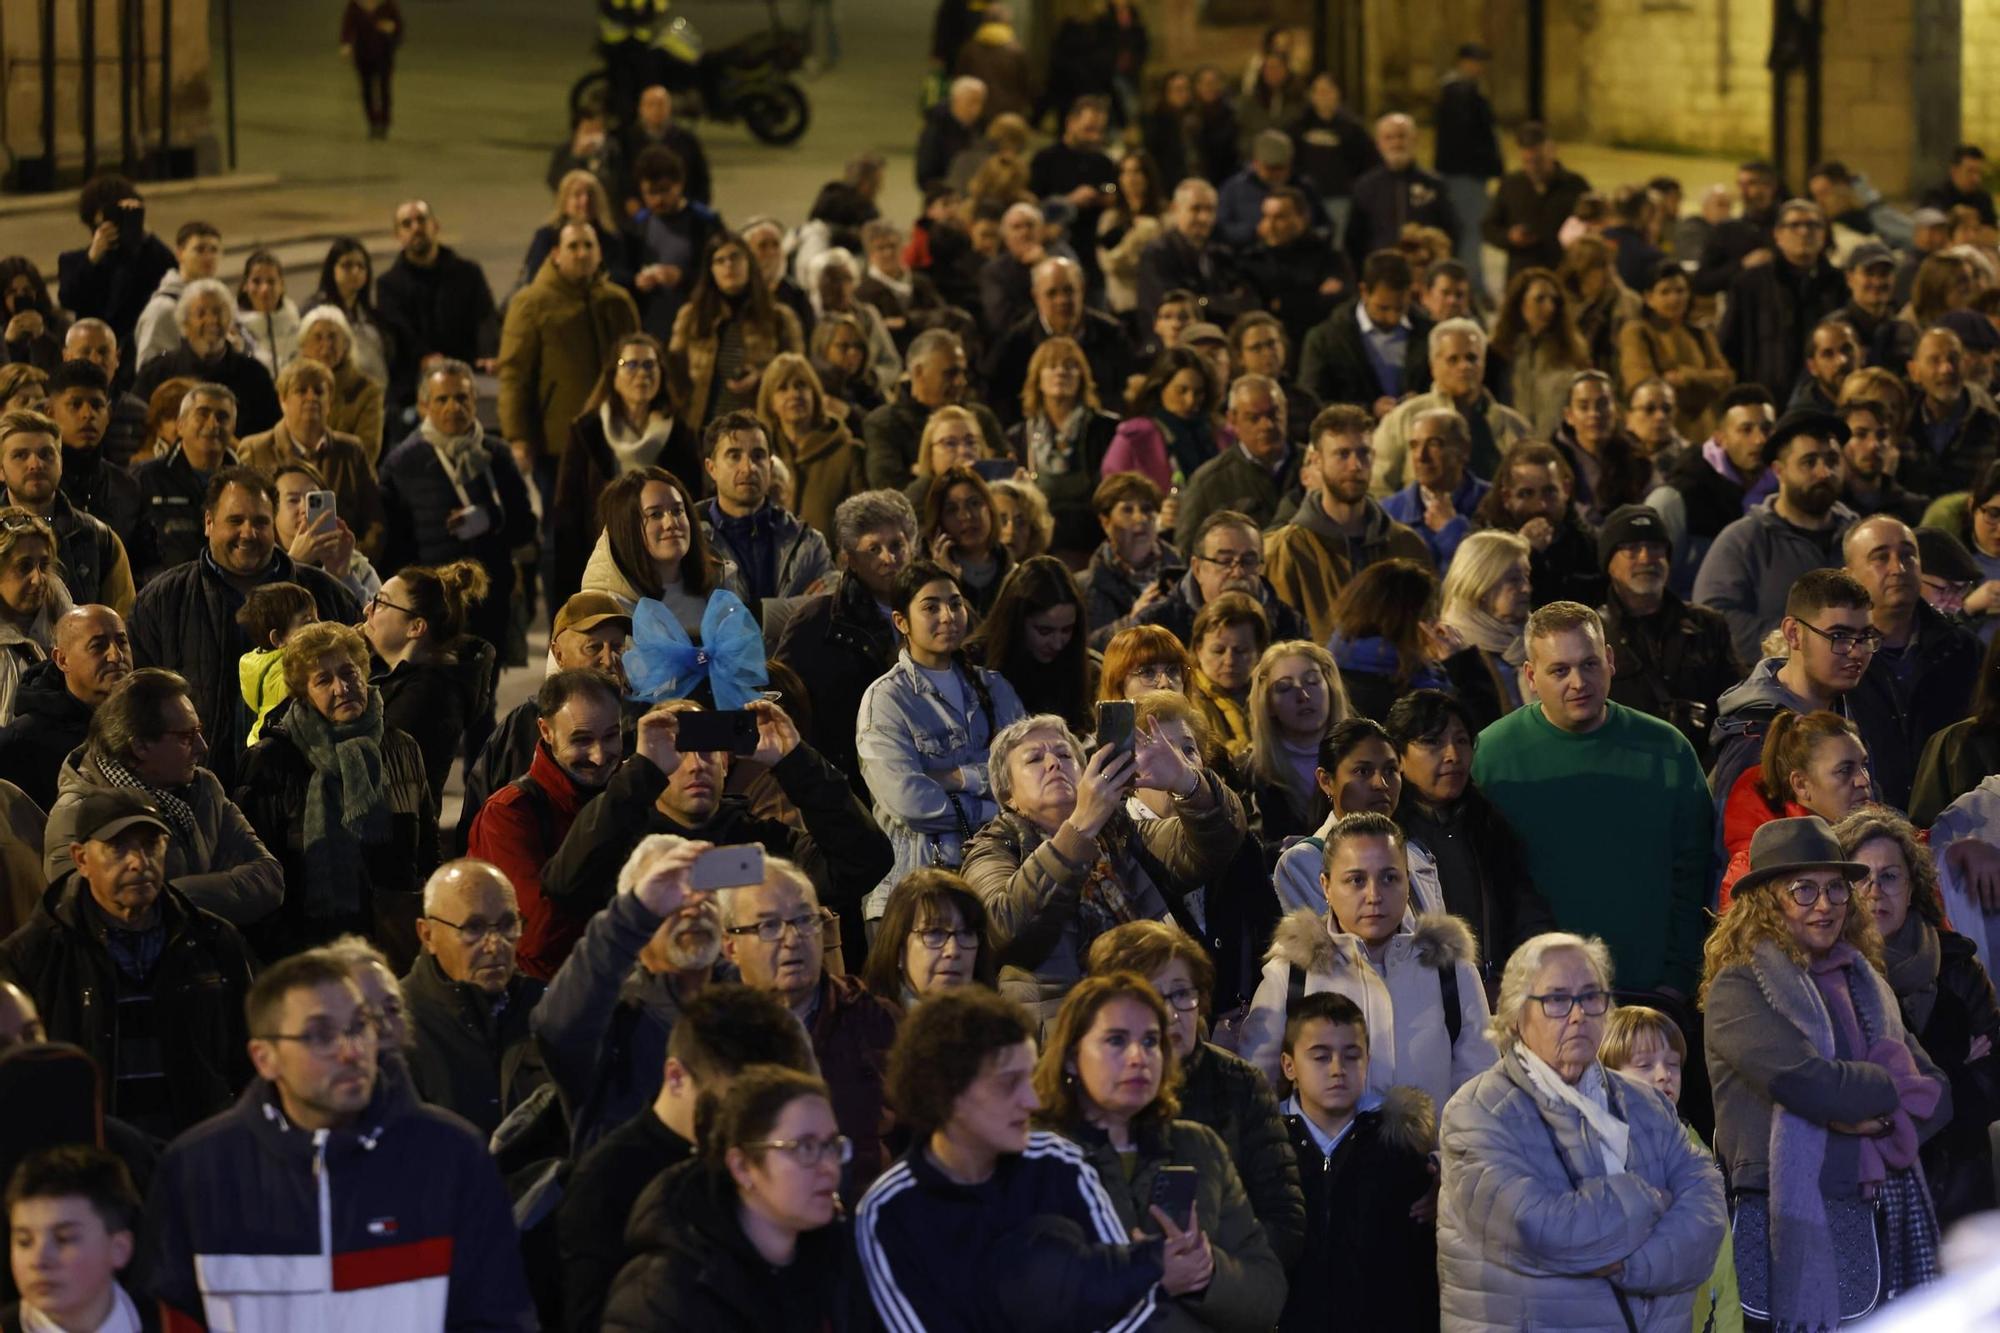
x: 1139, y: 446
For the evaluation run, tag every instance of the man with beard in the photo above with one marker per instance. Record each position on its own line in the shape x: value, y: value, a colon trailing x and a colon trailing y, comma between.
x: 1954, y: 432
x: 1456, y: 349
x: 437, y: 300
x: 1674, y: 659
x: 1867, y: 486
x: 92, y: 559
x: 1443, y: 494
x: 1530, y: 497
x: 1712, y: 485
x: 1921, y: 679
x: 1338, y: 530
x: 1748, y: 573
x: 56, y: 698
x: 1832, y: 354
x: 581, y: 741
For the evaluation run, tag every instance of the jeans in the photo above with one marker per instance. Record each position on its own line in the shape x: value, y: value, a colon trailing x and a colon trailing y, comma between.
x: 1338, y: 209
x: 1468, y: 200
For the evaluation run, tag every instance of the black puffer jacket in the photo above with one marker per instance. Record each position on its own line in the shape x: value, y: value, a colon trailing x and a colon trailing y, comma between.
x: 1947, y: 1010
x: 445, y: 706
x: 1231, y: 1096
x: 49, y: 722
x: 840, y: 643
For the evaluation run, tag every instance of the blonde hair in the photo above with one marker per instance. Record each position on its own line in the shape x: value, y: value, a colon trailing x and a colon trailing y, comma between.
x: 785, y: 369
x: 600, y: 202
x: 1034, y: 506
x: 18, y: 525
x: 1051, y: 349
x: 1266, y: 761
x: 949, y: 413
x: 321, y: 639
x: 1483, y: 559
x: 1757, y: 916
x: 1626, y: 1029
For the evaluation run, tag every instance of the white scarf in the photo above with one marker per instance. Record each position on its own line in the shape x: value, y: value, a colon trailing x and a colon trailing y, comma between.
x: 463, y: 458
x: 123, y: 1318
x: 1589, y: 1099
x: 634, y: 451
x: 900, y: 286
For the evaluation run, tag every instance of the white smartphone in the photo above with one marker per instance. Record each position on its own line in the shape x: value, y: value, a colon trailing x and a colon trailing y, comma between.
x: 320, y: 504
x: 727, y: 867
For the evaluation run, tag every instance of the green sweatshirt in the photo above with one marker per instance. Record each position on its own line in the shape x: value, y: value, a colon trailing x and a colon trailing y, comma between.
x: 1617, y: 824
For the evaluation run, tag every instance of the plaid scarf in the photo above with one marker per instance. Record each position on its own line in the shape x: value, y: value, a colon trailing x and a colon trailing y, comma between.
x: 178, y: 812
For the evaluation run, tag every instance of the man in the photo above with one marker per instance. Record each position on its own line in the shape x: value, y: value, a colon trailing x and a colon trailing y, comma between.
x: 1921, y: 678
x: 1338, y: 530
x: 1532, y: 203
x: 1468, y: 152
x: 1446, y: 291
x: 558, y: 333
x: 1964, y: 185
x: 185, y: 620
x: 1980, y: 342
x: 172, y: 487
x: 121, y: 963
x: 582, y: 738
x: 1590, y: 784
x: 1748, y: 573
x: 1373, y: 349
x: 776, y: 554
x: 197, y: 255
x: 1631, y: 231
x: 1256, y: 345
x: 437, y: 299
x: 421, y: 1231
x: 1056, y: 287
x: 305, y: 388
x: 1710, y: 487
x: 951, y: 127
x: 1674, y: 659
x: 1239, y: 204
x: 92, y: 559
x: 1607, y: 464
x: 1745, y: 242
x: 1226, y: 554
x: 1186, y: 256
x: 74, y: 1215
x: 934, y: 375
x: 1871, y: 306
x: 1076, y: 169
x: 655, y: 127
x: 1530, y: 497
x: 1299, y: 277
x: 93, y: 481
x: 1004, y: 280
x: 1833, y: 354
x: 1443, y: 493
x: 1867, y: 486
x: 449, y: 493
x: 113, y: 277
x: 467, y: 1000
x: 1772, y: 306
x: 1954, y: 433
x: 1456, y: 357
x: 670, y: 233
x: 1397, y: 193
x: 773, y: 933
x: 1254, y: 476
x: 92, y: 342
x: 55, y: 701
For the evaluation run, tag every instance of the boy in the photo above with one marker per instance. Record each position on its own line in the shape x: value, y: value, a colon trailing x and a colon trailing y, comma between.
x: 71, y: 1213
x: 1371, y: 1247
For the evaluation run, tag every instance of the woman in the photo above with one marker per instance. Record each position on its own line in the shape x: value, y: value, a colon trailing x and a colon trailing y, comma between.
x: 747, y: 1236
x: 1537, y: 346
x: 1356, y: 771
x: 1063, y: 437
x: 831, y: 278
x: 1413, y: 973
x: 1271, y: 103
x: 265, y: 310
x: 951, y: 438
x: 652, y: 545
x: 840, y: 356
x: 1601, y: 301
x: 1169, y: 131
x: 1296, y: 697
x: 1218, y: 1089
x: 1387, y: 639
x: 1812, y: 764
x: 1022, y: 514
x: 1831, y: 1212
x: 828, y: 464
x: 627, y: 423
x: 1944, y: 995
x: 32, y: 599
x: 341, y: 799
x: 31, y: 327
x: 1650, y: 410
x: 1171, y: 430
x: 1062, y: 863
x: 1663, y: 343
x: 1143, y: 659
x: 1034, y: 637
x: 436, y: 680
x: 726, y: 335
x: 356, y: 407
x: 924, y: 729
x: 1486, y: 600
x: 1229, y: 636
x: 580, y: 197
x: 933, y: 937
x: 959, y: 532
x: 1612, y: 1217
x: 24, y: 387
x: 347, y: 283
x: 1943, y: 283
x: 1130, y: 223
x: 1128, y: 570
x: 1961, y: 756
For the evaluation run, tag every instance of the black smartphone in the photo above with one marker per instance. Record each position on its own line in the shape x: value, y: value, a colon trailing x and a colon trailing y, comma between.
x: 1114, y: 724
x: 131, y: 220
x: 733, y: 730
x: 995, y: 469
x: 727, y: 868
x: 1173, y: 1192
x: 1171, y: 576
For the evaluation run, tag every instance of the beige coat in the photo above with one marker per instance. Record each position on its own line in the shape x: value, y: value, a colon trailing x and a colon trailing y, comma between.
x: 1648, y: 349
x: 556, y: 340
x: 827, y: 466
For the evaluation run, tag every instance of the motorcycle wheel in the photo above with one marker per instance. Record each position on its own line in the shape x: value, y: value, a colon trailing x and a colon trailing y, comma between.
x: 776, y: 113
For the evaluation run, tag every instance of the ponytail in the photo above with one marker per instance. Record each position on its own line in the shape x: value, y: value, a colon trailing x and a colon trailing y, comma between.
x: 444, y: 595
x: 1789, y: 745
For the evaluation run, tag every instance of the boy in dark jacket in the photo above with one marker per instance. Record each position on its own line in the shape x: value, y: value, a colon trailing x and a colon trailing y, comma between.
x: 1371, y: 1199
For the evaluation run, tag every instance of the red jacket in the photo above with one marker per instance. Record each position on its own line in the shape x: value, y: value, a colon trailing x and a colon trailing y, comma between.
x: 1746, y: 811
x: 519, y: 831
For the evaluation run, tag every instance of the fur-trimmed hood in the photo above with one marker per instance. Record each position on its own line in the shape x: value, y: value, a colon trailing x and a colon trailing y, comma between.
x: 1303, y: 939
x: 1409, y: 1119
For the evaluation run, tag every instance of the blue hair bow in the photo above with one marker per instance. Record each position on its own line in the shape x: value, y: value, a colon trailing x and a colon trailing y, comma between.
x: 663, y: 664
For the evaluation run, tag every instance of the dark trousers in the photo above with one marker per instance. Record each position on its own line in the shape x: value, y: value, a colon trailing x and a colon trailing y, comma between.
x: 375, y: 92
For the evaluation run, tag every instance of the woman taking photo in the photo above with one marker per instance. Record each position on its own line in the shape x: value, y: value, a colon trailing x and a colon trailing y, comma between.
x: 933, y: 937
x: 1108, y: 1081
x: 1537, y: 348
x: 1063, y: 437
x: 726, y: 335
x: 959, y: 531
x: 437, y: 680
x: 1486, y: 600
x: 356, y: 405
x: 652, y: 546
x: 1832, y: 1216
x: 347, y: 283
x: 1034, y: 636
x: 827, y: 462
x: 264, y: 309
x: 1812, y: 764
x: 1613, y: 1217
x: 1022, y: 513
x: 1229, y: 637
x: 1170, y: 431
x: 1143, y: 659
x: 1296, y: 698
x: 1663, y: 343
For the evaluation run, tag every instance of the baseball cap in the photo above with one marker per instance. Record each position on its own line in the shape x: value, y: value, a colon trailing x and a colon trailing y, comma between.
x: 106, y: 812
x: 1973, y: 329
x: 1203, y: 333
x: 1870, y: 252
x: 1628, y: 524
x: 587, y: 609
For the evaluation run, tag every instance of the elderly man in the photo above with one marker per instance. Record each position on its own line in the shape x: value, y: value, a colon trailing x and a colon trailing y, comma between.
x: 437, y: 299
x: 469, y: 1004
x: 1443, y: 494
x: 655, y: 127
x: 1005, y: 278
x: 950, y: 128
x: 56, y: 699
x: 558, y: 334
x: 1187, y: 256
x: 197, y: 255
x: 933, y: 376
x: 1297, y: 275
x: 92, y: 559
x: 1527, y: 213
x: 1772, y: 307
x: 1239, y: 204
x: 1226, y: 554
x: 205, y: 316
x: 185, y: 619
x: 305, y: 387
x: 172, y: 488
x: 1396, y: 193
x: 121, y: 962
x: 1254, y: 476
x: 1374, y: 348
x: 1057, y: 290
x: 1954, y: 432
x: 91, y: 342
x: 1455, y: 352
x: 776, y: 555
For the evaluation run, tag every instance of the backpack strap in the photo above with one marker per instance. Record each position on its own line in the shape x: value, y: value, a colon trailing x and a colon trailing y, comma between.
x: 1454, y: 1017
x: 1295, y: 989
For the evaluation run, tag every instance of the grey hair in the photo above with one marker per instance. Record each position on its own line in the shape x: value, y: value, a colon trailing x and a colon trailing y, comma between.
x: 930, y: 343
x: 446, y: 367
x: 862, y: 513
x: 327, y: 314
x: 640, y: 863
x: 193, y: 292
x: 1190, y: 187
x: 462, y: 867
x: 1455, y: 426
x: 1009, y: 740
x: 135, y: 711
x: 1034, y: 210
x: 207, y: 389
x: 1800, y: 206
x: 1458, y: 324
x: 1057, y: 263
x: 1264, y: 382
x: 1504, y: 1029
x: 966, y: 83
x: 777, y: 870
x: 91, y: 324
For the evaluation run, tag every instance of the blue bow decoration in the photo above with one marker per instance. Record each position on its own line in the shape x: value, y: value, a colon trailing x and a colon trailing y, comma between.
x: 663, y: 664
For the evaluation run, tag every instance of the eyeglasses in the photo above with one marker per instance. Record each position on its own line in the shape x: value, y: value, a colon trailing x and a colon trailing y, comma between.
x: 771, y: 929
x: 1248, y: 563
x: 389, y: 1011
x: 508, y: 927
x: 323, y: 1039
x: 935, y: 938
x: 1185, y: 999
x: 1805, y: 893
x: 810, y: 1152
x: 644, y: 365
x: 185, y: 735
x: 1594, y: 1003
x: 1845, y: 641
x: 379, y: 600
x: 1991, y: 513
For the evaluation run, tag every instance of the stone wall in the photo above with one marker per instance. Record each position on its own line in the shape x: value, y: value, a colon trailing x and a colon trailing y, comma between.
x: 1661, y: 73
x: 1980, y: 64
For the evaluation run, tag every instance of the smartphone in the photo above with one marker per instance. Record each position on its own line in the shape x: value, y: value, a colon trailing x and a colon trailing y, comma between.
x: 1114, y: 724
x: 733, y: 731
x: 1171, y: 576
x: 1173, y: 1192
x: 131, y: 220
x: 727, y: 867
x: 320, y: 504
x: 996, y: 469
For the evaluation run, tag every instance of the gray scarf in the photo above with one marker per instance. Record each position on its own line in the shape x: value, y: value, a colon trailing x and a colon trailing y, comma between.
x: 1914, y: 957
x: 346, y: 803
x: 464, y: 459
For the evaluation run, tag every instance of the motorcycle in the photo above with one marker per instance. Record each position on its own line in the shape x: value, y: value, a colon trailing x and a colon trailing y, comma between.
x: 748, y: 80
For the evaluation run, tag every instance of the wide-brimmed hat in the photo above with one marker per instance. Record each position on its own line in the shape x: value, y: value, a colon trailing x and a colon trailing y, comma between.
x: 1786, y: 846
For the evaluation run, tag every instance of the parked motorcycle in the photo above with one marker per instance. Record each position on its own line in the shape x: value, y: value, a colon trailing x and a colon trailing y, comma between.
x: 748, y: 80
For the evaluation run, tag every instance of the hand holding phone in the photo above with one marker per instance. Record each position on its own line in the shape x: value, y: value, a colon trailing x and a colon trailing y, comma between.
x: 1114, y: 723
x: 728, y: 731
x: 1174, y: 1191
x: 732, y: 867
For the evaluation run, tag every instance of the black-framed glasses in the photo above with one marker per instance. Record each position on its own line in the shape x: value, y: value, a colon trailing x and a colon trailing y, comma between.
x: 379, y: 600
x: 508, y: 927
x: 1184, y: 999
x: 1594, y: 1003
x: 1845, y: 641
x: 324, y: 1039
x: 810, y: 1152
x: 771, y: 929
x: 1247, y: 563
x: 936, y: 937
x: 1991, y: 513
x: 1805, y: 893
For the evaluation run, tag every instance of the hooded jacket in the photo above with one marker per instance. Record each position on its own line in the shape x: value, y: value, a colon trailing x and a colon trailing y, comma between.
x: 1309, y: 561
x: 1750, y: 570
x: 49, y: 722
x: 1177, y: 612
x: 1743, y: 715
x: 553, y: 345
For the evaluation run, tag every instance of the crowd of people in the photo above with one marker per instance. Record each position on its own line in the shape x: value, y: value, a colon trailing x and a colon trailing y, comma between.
x: 1135, y: 750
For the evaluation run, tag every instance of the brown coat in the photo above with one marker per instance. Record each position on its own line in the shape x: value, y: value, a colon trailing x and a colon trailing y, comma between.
x: 1308, y: 570
x: 553, y: 347
x: 691, y: 359
x: 1648, y: 348
x: 341, y: 462
x: 827, y: 466
x: 356, y: 409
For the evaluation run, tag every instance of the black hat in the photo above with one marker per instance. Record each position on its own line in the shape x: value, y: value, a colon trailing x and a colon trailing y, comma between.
x: 106, y: 812
x: 1627, y: 524
x: 1944, y: 556
x: 1804, y: 421
x: 1973, y: 329
x: 1474, y: 51
x: 1785, y: 846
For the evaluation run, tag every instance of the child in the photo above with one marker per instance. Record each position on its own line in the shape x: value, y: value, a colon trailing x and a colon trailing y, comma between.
x: 269, y: 615
x: 1370, y: 1259
x: 72, y: 1212
x: 1645, y: 1045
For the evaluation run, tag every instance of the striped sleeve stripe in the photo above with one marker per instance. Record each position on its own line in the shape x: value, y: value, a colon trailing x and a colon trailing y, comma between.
x: 1110, y: 1230
x: 890, y: 1302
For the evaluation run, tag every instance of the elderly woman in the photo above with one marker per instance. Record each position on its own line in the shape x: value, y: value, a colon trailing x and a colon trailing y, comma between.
x: 1944, y: 995
x: 1486, y: 600
x: 830, y: 280
x: 1063, y: 863
x: 1822, y: 1097
x: 1126, y: 571
x: 1063, y: 435
x: 839, y: 350
x: 1569, y: 1197
x: 32, y: 599
x: 347, y: 283
x: 342, y: 801
x: 356, y: 405
x: 827, y: 462
x: 933, y: 937
x: 206, y: 313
